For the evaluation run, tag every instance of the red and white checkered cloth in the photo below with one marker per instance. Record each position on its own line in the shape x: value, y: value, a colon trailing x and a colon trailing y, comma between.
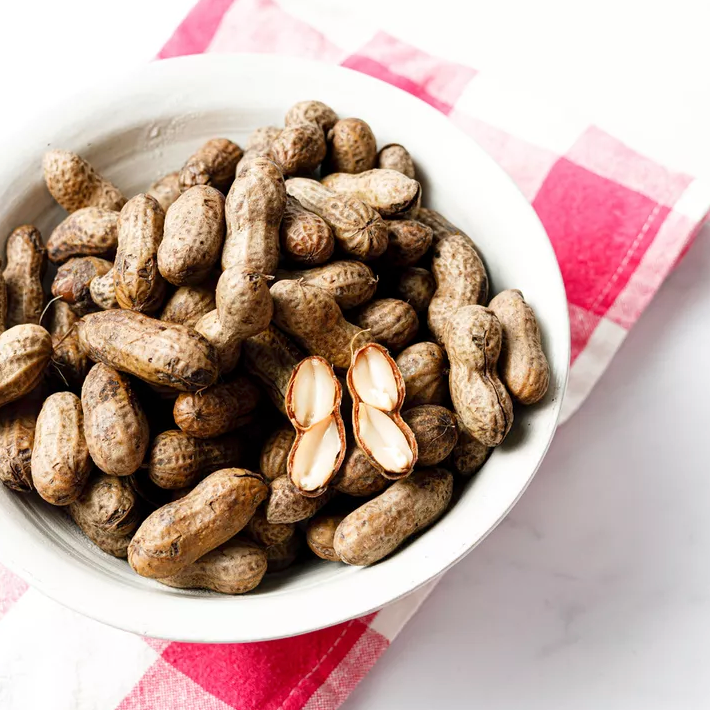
x: 618, y: 222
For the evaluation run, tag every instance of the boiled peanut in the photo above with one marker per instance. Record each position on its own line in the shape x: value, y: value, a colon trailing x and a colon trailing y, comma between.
x: 281, y: 556
x: 265, y: 533
x: 102, y: 290
x: 469, y: 454
x: 320, y: 534
x: 236, y: 567
x: 74, y: 184
x: 425, y: 370
x: 434, y: 428
x: 115, y: 425
x: 25, y: 351
x: 193, y: 236
x: 352, y: 147
x: 107, y: 511
x: 523, y: 366
x: 26, y: 262
x: 271, y: 357
x: 213, y: 164
x: 227, y: 347
x: 306, y: 238
x: 218, y: 409
x: 177, y: 460
x: 396, y: 157
x: 60, y: 457
x: 274, y: 454
x: 311, y: 112
x: 409, y: 241
x: 389, y: 321
x: 380, y: 526
x: 139, y: 285
x: 389, y: 192
x: 17, y: 435
x: 473, y: 342
x: 416, y: 286
x: 299, y: 149
x: 358, y: 229
x: 157, y: 352
x: 68, y: 357
x: 357, y: 476
x: 253, y: 211
x: 287, y: 505
x: 179, y: 533
x: 188, y: 304
x: 260, y: 139
x: 166, y: 190
x: 90, y: 231
x: 72, y: 282
x: 312, y: 316
x: 350, y: 283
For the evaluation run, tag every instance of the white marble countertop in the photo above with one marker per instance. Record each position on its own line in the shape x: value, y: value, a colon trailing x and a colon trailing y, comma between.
x: 596, y: 591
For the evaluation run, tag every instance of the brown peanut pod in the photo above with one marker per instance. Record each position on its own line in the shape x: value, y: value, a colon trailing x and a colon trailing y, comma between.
x: 299, y: 149
x: 60, y: 457
x: 469, y: 454
x: 253, y: 211
x: 473, y: 342
x: 243, y: 302
x: 166, y: 189
x: 25, y: 351
x: 139, y: 285
x: 273, y: 460
x: 102, y: 290
x: 260, y: 139
x: 236, y: 567
x: 284, y: 554
x: 522, y: 365
x: 72, y: 282
x: 177, y: 460
x: 287, y: 504
x: 377, y: 390
x: 227, y: 347
x: 391, y: 193
x: 17, y: 435
x: 352, y: 147
x: 68, y: 357
x: 311, y: 112
x: 350, y: 283
x: 213, y: 164
x: 181, y: 532
x: 74, y: 184
x: 192, y: 237
x: 108, y: 512
x: 434, y: 428
x: 218, y: 409
x: 416, y: 286
x: 157, y: 352
x: 115, y: 425
x: 188, y: 304
x: 90, y: 231
x: 409, y: 241
x: 396, y: 157
x: 312, y: 403
x: 380, y: 526
x: 320, y: 535
x: 357, y: 476
x: 25, y: 264
x: 389, y: 321
x: 314, y: 319
x: 305, y: 237
x: 425, y: 372
x: 358, y: 229
x: 265, y: 533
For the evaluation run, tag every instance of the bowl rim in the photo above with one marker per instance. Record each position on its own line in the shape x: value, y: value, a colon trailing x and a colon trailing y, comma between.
x: 94, y: 597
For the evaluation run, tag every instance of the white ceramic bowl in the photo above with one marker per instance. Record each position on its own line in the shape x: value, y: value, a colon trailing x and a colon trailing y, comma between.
x: 145, y: 126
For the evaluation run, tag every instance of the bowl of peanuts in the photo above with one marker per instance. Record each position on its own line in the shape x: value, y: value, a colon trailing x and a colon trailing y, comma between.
x: 281, y: 345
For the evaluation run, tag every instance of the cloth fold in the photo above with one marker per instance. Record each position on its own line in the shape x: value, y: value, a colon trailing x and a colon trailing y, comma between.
x: 618, y: 221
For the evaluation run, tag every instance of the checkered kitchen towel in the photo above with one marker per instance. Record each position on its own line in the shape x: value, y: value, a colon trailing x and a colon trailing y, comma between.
x: 618, y: 222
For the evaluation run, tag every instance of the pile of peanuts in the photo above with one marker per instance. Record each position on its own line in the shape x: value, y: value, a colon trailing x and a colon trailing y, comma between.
x: 272, y: 351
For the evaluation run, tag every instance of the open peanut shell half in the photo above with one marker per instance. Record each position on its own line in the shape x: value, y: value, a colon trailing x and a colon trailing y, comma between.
x: 377, y: 389
x: 312, y: 403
